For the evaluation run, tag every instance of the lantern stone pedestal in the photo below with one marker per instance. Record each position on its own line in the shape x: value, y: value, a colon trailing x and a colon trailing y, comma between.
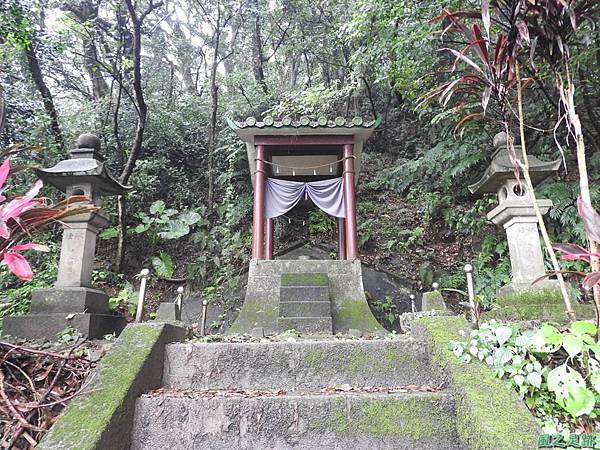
x: 516, y: 214
x: 72, y: 301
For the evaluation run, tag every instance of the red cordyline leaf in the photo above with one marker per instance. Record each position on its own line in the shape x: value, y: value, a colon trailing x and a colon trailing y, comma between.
x: 480, y: 45
x: 572, y: 252
x: 485, y: 16
x: 591, y: 279
x: 4, y: 171
x: 591, y: 219
x: 18, y: 265
x: 460, y: 56
x: 15, y: 207
x: 29, y: 246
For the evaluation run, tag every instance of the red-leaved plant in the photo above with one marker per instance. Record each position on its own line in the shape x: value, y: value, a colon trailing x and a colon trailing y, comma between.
x: 21, y: 216
x: 574, y: 252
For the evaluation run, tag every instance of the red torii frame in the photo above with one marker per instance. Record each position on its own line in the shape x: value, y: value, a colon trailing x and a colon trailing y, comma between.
x: 262, y: 229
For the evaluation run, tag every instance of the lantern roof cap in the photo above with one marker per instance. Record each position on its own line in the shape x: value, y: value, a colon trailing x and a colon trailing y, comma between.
x: 83, y: 166
x: 502, y: 169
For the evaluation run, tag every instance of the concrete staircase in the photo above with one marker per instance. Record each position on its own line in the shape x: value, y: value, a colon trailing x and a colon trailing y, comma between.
x: 327, y: 394
x: 304, y: 303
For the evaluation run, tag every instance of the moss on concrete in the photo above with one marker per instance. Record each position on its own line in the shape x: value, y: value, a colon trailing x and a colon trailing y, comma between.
x: 255, y: 313
x: 355, y: 314
x: 410, y: 417
x: 489, y: 414
x: 304, y: 279
x: 314, y: 358
x: 553, y: 312
x: 432, y: 301
x: 86, y: 422
x: 534, y: 296
x: 357, y: 360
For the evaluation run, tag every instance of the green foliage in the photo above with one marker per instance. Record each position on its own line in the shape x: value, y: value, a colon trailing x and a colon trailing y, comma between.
x: 568, y: 226
x: 163, y: 223
x: 555, y: 372
x: 445, y: 166
x: 320, y: 223
x: 386, y: 310
x: 68, y: 334
x: 455, y: 280
x: 126, y: 298
x: 492, y: 268
x: 410, y: 238
x: 15, y: 297
x: 470, y: 221
x: 163, y: 265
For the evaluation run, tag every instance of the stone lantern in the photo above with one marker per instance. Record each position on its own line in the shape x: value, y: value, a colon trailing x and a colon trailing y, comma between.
x: 516, y: 214
x: 72, y: 300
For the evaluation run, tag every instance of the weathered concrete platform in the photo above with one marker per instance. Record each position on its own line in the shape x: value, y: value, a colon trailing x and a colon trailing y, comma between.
x: 337, y: 421
x: 292, y: 365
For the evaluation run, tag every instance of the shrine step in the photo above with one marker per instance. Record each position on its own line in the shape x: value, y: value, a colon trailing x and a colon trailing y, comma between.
x: 304, y: 294
x: 298, y: 365
x: 306, y: 325
x: 337, y: 421
x: 305, y: 309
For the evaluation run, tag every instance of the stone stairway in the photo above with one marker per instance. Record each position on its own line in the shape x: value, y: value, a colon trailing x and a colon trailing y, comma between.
x: 304, y: 303
x: 307, y: 394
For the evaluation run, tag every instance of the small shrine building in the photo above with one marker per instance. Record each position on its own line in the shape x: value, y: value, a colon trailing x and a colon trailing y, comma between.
x: 291, y: 161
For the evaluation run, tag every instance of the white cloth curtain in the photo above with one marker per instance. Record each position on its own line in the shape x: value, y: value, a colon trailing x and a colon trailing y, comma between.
x: 283, y: 195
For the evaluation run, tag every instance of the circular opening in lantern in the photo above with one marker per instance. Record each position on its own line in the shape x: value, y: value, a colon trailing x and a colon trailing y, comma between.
x: 520, y: 190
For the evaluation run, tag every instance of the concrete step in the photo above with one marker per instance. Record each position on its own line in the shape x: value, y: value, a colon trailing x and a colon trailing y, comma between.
x: 305, y: 309
x: 338, y: 421
x: 303, y: 278
x: 304, y: 294
x: 298, y: 365
x: 306, y: 324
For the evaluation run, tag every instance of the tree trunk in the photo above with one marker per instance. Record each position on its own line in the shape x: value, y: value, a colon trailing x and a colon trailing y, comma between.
x: 212, y: 126
x: 38, y: 78
x: 257, y: 51
x: 142, y: 111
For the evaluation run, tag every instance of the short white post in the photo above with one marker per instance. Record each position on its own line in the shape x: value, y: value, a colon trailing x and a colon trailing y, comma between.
x: 140, y: 306
x: 413, y: 307
x: 470, y: 290
x: 179, y: 298
x: 435, y: 286
x: 203, y: 322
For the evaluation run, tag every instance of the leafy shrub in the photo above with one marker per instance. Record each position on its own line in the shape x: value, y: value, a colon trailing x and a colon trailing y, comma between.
x: 127, y: 298
x: 556, y: 373
x: 320, y: 223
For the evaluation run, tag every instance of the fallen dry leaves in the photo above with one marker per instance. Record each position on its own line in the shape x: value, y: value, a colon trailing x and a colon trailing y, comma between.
x: 35, y: 385
x: 252, y: 393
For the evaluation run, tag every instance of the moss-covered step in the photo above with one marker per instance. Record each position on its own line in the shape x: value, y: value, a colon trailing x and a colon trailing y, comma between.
x: 489, y: 413
x: 421, y: 421
x: 298, y: 365
x: 101, y: 417
x: 304, y: 279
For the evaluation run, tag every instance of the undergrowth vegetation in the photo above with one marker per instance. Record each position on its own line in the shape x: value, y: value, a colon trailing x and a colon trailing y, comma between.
x: 556, y: 371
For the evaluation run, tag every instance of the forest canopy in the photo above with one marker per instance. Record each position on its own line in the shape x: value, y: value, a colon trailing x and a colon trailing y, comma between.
x: 156, y: 81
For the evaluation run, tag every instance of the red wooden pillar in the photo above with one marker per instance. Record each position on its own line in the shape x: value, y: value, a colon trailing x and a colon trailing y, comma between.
x: 341, y: 238
x: 269, y: 239
x: 258, y: 223
x: 350, y: 203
